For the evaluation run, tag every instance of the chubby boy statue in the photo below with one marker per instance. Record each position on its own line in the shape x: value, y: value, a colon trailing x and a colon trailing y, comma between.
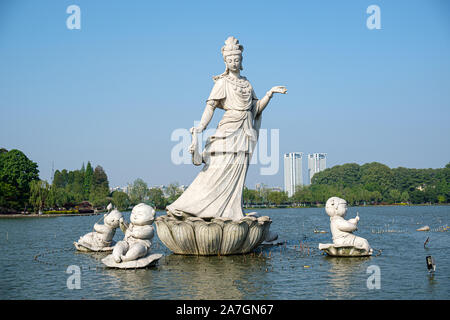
x: 345, y: 243
x: 138, y: 233
x: 101, y: 239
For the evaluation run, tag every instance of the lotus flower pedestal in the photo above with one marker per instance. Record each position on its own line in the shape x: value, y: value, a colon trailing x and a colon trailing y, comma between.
x: 219, y: 236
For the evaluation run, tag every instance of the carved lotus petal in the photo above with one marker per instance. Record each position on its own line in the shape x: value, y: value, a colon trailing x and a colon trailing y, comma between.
x: 183, y: 234
x: 257, y: 233
x: 165, y: 234
x: 208, y: 236
x: 266, y: 222
x: 252, y: 237
x: 234, y: 234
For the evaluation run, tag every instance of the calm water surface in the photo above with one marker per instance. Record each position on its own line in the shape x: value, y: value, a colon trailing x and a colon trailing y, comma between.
x: 283, y: 272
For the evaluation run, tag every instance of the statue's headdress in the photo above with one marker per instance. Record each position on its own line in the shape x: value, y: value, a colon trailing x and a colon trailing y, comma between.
x: 232, y: 47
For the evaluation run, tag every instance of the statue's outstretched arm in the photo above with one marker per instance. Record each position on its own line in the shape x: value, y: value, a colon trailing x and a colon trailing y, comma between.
x: 262, y: 103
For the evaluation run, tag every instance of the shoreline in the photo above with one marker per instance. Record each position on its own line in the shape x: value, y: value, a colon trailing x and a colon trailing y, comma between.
x: 361, y: 206
x: 35, y: 215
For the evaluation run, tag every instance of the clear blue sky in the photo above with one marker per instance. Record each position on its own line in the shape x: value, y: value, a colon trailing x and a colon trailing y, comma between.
x: 113, y: 92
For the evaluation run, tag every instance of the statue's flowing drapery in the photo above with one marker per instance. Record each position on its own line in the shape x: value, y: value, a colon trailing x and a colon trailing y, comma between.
x: 217, y: 190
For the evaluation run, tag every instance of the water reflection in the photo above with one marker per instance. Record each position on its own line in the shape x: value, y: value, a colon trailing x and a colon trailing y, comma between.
x: 215, y: 277
x: 192, y: 277
x: 343, y: 275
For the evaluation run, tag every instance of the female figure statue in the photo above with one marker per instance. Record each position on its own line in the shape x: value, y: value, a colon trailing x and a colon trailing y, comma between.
x: 217, y: 190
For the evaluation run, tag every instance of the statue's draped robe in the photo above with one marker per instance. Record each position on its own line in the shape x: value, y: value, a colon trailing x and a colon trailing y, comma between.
x: 217, y: 190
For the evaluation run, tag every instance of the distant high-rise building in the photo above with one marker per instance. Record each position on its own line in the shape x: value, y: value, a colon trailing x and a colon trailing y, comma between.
x: 316, y: 162
x: 292, y: 172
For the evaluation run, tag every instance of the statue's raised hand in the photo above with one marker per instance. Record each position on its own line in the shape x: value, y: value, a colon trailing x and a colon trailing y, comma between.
x: 278, y: 89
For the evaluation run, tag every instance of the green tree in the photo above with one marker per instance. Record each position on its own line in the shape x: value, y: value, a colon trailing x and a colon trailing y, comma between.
x: 277, y: 197
x: 99, y: 188
x: 16, y: 172
x: 395, y: 195
x: 88, y: 176
x: 39, y: 194
x: 156, y: 197
x: 138, y: 191
x: 120, y: 200
x: 173, y: 192
x: 404, y: 197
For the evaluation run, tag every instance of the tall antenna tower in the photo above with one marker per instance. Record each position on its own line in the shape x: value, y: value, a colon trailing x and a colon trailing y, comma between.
x: 53, y: 172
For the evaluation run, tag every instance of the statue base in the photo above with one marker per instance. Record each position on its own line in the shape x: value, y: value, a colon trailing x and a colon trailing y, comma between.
x: 143, y: 262
x: 219, y: 236
x: 84, y: 247
x: 344, y: 251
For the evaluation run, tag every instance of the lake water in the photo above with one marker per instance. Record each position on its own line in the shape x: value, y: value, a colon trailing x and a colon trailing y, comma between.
x: 283, y: 272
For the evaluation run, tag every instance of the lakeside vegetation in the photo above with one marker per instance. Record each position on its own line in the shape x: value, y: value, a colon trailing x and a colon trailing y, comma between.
x: 370, y: 184
x: 21, y: 189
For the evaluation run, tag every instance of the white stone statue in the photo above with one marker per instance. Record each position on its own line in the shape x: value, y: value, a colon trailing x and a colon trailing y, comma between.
x: 215, y: 195
x: 345, y: 243
x: 134, y: 250
x: 101, y: 239
x: 217, y: 190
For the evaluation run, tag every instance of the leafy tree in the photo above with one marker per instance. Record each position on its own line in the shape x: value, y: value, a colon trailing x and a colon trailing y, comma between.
x: 100, y: 188
x: 138, y: 191
x: 8, y: 196
x: 173, y: 192
x: 377, y: 177
x: 39, y: 194
x: 277, y: 197
x: 88, y: 176
x: 395, y: 195
x: 100, y: 179
x: 120, y: 200
x: 404, y: 197
x: 156, y: 197
x: 16, y: 172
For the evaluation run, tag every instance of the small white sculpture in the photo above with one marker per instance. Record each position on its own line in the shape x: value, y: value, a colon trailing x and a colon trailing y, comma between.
x: 345, y: 243
x: 101, y: 239
x: 134, y: 250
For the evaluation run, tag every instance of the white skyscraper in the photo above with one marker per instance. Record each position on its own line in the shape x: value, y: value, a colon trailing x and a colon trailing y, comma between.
x: 292, y: 172
x: 316, y: 162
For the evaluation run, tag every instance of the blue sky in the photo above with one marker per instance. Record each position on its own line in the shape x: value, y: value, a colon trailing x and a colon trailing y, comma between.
x: 113, y: 92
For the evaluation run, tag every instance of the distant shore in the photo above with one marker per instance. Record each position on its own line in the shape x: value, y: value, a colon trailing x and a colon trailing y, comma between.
x: 44, y: 215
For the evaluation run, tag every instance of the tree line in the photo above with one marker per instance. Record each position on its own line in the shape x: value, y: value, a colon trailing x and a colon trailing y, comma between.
x: 371, y: 183
x: 21, y: 189
x: 139, y: 192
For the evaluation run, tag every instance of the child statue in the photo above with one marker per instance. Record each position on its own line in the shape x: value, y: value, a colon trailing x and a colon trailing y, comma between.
x: 345, y: 243
x: 101, y: 239
x: 134, y: 250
